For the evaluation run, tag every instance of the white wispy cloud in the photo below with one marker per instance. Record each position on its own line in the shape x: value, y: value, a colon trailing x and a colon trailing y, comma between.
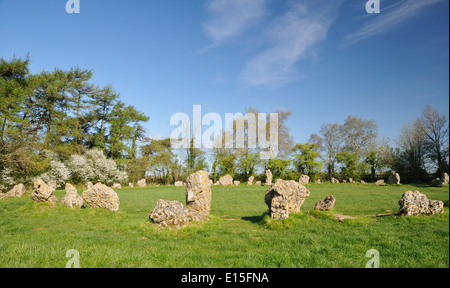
x: 230, y: 18
x: 389, y: 18
x: 293, y: 37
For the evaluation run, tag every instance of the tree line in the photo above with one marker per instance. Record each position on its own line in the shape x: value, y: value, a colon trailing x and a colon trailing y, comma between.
x: 63, y: 114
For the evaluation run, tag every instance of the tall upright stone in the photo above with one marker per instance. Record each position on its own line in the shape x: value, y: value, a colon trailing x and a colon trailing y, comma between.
x: 304, y: 179
x: 394, y: 178
x: 250, y: 181
x: 72, y: 198
x: 198, y: 195
x: 269, y: 177
x: 285, y: 197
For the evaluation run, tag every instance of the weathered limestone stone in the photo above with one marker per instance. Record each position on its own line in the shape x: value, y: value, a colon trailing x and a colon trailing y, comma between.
x: 269, y: 177
x: 446, y: 179
x: 198, y: 195
x: 89, y: 185
x: 394, y: 178
x: 217, y: 183
x: 237, y: 183
x: 379, y: 182
x: 351, y: 180
x: 131, y: 185
x: 344, y: 181
x: 334, y: 180
x: 117, y: 186
x: 319, y: 181
x: 72, y: 198
x: 226, y: 180
x: 258, y: 183
x: 142, y: 183
x: 42, y: 193
x: 285, y: 197
x: 416, y: 203
x: 250, y: 181
x: 179, y: 184
x: 52, y: 185
x: 325, y: 204
x: 363, y: 182
x: 18, y: 191
x: 170, y: 214
x: 304, y: 179
x: 101, y: 196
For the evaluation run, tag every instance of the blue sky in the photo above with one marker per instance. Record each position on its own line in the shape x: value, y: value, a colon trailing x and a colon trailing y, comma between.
x: 322, y: 59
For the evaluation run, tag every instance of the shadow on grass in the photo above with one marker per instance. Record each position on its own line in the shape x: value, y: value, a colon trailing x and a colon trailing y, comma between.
x: 260, y: 220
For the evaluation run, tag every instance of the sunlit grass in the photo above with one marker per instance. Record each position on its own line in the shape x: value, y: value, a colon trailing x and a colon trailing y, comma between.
x: 238, y: 233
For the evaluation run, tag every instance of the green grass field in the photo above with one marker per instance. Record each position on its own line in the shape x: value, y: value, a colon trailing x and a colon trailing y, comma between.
x: 238, y: 233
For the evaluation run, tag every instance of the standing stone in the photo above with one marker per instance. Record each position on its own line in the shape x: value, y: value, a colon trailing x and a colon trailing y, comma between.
x: 142, y: 183
x: 416, y: 203
x: 379, y: 182
x: 179, y: 184
x: 394, y: 178
x: 250, y: 181
x: 237, y: 183
x: 72, y: 198
x: 101, y: 196
x: 52, y: 185
x: 325, y: 204
x: 170, y: 214
x: 117, y: 186
x: 334, y: 180
x: 319, y: 181
x: 89, y: 185
x: 198, y: 195
x: 18, y: 191
x: 258, y: 183
x: 42, y: 193
x: 304, y: 179
x: 351, y: 180
x: 445, y: 179
x: 226, y: 180
x: 269, y: 177
x: 285, y: 197
x: 131, y: 185
x: 344, y: 181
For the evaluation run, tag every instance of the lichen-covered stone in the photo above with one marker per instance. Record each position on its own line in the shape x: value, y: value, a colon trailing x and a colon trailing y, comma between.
x: 18, y: 191
x: 416, y: 203
x: 334, y: 181
x: 101, y: 196
x: 250, y: 180
x: 304, y: 179
x: 42, y: 193
x: 142, y: 183
x: 198, y: 195
x: 285, y: 197
x: 394, y: 179
x: 72, y: 199
x: 269, y: 177
x: 379, y: 182
x: 325, y: 204
x: 226, y: 180
x: 170, y: 214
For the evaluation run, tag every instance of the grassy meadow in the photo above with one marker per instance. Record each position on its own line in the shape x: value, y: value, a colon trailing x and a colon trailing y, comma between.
x: 238, y: 234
